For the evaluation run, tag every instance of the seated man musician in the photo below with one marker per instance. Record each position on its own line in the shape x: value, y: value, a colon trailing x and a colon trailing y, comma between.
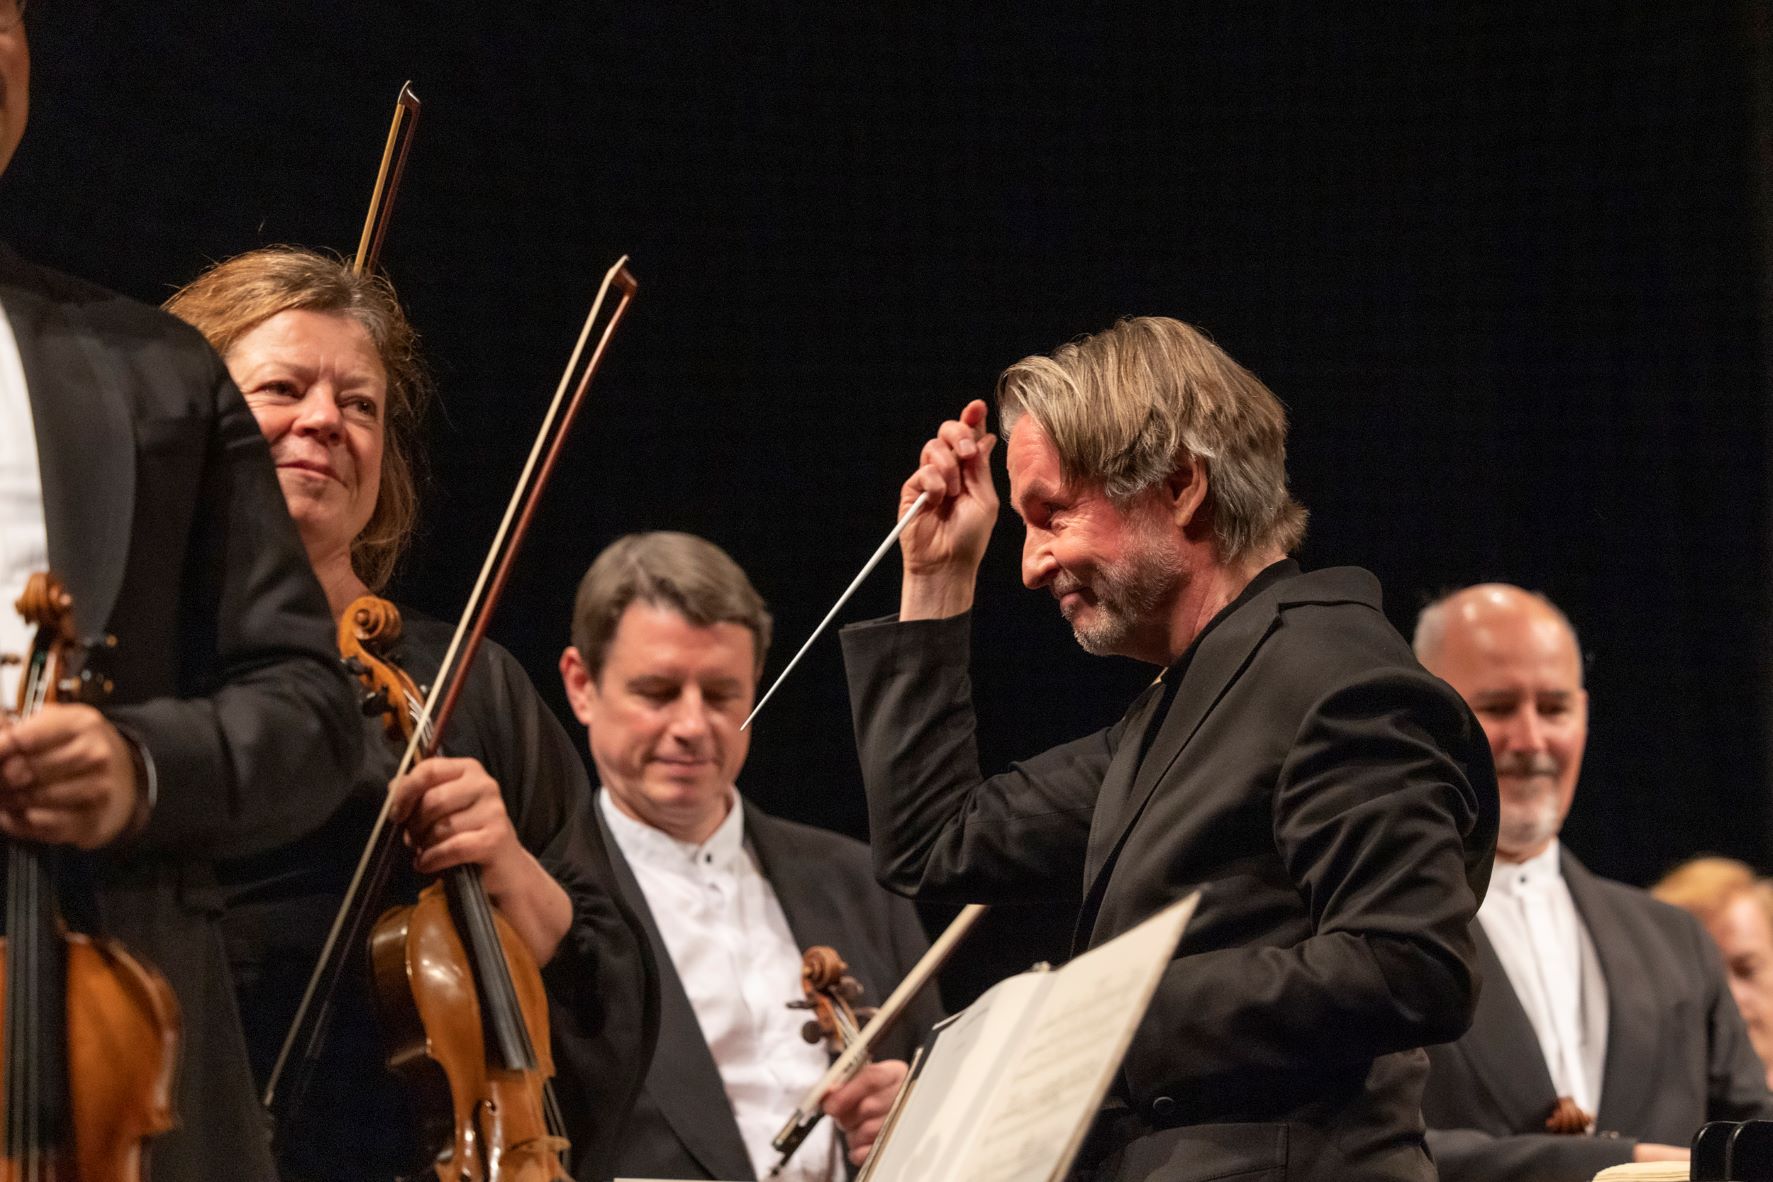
x: 326, y: 360
x: 668, y: 640
x: 1604, y: 1032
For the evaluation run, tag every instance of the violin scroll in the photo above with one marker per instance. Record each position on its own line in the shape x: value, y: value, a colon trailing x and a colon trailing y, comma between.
x: 368, y: 631
x: 60, y: 668
x: 831, y: 993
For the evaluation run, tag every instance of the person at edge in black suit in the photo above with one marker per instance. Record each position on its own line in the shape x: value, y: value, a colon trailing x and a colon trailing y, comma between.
x: 1334, y: 803
x: 668, y: 640
x: 131, y: 469
x: 1598, y: 999
x: 327, y: 362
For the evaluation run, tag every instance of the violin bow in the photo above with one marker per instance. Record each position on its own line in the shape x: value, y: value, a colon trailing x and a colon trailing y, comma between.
x: 381, y: 199
x: 471, y: 629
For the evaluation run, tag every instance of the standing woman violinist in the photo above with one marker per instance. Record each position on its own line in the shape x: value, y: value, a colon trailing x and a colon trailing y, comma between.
x: 327, y: 362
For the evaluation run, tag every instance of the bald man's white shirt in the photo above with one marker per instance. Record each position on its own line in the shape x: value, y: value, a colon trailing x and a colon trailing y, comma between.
x: 24, y: 538
x: 1545, y: 949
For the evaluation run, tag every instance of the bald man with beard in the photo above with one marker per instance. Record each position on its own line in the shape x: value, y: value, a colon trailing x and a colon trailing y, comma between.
x: 1599, y: 1004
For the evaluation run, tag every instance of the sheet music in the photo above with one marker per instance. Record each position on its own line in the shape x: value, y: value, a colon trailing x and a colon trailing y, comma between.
x: 1009, y: 1087
x: 976, y: 1043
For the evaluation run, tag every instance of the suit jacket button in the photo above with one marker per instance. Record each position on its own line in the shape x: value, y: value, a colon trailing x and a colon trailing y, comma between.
x: 1163, y: 1108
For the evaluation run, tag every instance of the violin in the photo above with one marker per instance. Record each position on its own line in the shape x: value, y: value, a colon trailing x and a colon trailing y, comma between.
x: 457, y: 989
x: 460, y: 992
x: 90, y: 1035
x: 858, y: 1045
x: 831, y: 993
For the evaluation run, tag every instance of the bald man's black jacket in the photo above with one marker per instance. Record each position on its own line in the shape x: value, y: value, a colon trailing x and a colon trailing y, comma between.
x: 1677, y: 1052
x: 1335, y: 804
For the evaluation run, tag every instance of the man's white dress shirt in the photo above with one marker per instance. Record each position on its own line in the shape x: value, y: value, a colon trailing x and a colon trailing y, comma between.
x: 24, y: 539
x: 729, y: 941
x: 1550, y: 960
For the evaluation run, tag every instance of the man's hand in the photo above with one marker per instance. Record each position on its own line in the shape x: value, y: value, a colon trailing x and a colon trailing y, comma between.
x: 860, y: 1106
x: 455, y: 816
x: 1646, y: 1151
x: 942, y: 549
x: 66, y: 778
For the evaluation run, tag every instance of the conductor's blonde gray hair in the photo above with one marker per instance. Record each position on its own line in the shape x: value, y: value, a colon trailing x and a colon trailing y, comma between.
x: 1125, y: 407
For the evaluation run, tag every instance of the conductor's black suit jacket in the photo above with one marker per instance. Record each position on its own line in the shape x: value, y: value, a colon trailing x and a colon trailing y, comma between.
x: 1334, y: 803
x: 1677, y: 1052
x: 167, y: 526
x: 683, y: 1124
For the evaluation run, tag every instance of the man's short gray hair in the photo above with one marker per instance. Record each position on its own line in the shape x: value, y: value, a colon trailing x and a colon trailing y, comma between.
x: 1125, y: 406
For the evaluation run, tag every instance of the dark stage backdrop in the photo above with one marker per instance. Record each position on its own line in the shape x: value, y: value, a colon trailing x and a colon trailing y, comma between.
x: 1504, y: 264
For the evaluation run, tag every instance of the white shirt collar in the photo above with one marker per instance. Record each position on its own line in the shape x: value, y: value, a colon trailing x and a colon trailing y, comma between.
x: 1538, y: 872
x: 641, y: 842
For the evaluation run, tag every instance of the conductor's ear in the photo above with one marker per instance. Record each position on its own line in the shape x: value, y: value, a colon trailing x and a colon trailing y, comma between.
x: 1186, y: 490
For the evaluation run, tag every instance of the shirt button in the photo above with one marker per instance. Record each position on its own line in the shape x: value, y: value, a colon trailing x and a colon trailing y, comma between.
x: 1163, y: 1108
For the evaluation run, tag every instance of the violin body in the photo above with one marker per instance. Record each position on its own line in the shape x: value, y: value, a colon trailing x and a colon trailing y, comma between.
x: 88, y: 1034
x: 122, y: 1038
x: 486, y: 1117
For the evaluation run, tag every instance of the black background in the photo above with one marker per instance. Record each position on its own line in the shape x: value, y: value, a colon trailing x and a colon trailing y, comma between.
x: 1505, y: 264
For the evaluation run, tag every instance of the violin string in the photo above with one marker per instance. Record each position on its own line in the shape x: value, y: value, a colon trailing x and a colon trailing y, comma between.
x: 15, y: 1053
x: 482, y: 936
x: 508, y: 1004
x: 19, y: 1005
x: 551, y: 1103
x: 423, y: 732
x: 34, y: 937
x: 845, y: 1020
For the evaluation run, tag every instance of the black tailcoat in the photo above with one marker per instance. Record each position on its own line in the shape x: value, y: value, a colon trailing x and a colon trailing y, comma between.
x: 167, y: 525
x: 683, y: 1126
x: 1677, y: 1052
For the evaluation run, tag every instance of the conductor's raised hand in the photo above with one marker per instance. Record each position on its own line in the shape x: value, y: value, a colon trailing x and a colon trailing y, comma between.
x: 943, y: 547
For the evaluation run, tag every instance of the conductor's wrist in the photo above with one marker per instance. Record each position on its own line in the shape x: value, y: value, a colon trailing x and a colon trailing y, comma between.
x: 936, y: 596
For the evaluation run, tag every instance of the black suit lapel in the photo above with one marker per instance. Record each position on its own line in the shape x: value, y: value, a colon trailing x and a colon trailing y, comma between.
x: 85, y: 445
x: 1117, y: 783
x: 1633, y: 1018
x: 1223, y: 654
x: 812, y: 917
x: 1502, y: 1050
x: 682, y: 1079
